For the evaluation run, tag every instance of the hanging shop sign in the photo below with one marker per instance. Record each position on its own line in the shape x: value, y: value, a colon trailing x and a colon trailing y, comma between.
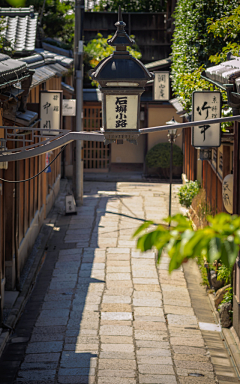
x: 69, y: 107
x: 161, y: 89
x: 51, y: 111
x: 227, y: 193
x: 206, y: 105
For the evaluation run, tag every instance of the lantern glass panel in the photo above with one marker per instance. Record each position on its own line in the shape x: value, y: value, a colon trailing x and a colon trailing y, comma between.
x: 121, y: 112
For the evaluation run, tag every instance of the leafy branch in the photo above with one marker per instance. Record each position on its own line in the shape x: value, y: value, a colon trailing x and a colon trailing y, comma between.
x: 219, y: 240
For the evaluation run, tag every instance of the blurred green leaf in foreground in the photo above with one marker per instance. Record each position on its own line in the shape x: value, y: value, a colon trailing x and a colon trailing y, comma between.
x: 220, y: 240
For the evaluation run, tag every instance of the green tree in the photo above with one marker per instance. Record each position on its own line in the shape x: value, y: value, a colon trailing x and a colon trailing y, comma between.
x: 58, y: 19
x: 194, y: 42
x: 97, y: 49
x: 132, y: 5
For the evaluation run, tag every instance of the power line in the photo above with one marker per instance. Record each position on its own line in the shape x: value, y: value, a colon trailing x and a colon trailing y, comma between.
x: 30, y: 178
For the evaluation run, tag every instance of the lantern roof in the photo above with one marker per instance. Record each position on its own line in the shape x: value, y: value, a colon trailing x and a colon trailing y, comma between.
x: 121, y: 66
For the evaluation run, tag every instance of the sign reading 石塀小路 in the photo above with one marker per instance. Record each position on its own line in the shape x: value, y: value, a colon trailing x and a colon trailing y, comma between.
x: 161, y: 86
x: 121, y: 112
x: 206, y: 105
x: 50, y: 111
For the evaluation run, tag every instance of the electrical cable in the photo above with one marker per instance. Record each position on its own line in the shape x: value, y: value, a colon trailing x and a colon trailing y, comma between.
x: 39, y: 173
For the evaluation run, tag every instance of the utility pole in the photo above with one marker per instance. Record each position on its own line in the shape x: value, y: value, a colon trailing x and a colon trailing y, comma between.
x: 78, y: 86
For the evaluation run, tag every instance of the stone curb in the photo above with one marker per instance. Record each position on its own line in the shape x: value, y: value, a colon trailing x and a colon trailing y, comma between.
x: 20, y: 302
x: 229, y: 339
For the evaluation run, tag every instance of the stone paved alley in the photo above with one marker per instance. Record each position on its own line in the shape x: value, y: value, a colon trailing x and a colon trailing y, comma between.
x: 101, y: 312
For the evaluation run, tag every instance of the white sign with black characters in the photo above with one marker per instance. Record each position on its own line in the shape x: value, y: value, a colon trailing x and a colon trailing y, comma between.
x: 206, y: 105
x: 69, y: 107
x: 121, y: 112
x: 161, y: 86
x: 50, y: 112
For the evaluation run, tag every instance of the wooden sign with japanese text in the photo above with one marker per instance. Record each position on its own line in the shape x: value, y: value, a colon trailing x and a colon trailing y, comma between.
x: 50, y: 111
x: 161, y: 86
x: 206, y: 105
x: 121, y: 112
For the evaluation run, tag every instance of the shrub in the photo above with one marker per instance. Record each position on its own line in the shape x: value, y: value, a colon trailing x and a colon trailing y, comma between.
x: 187, y: 192
x: 159, y: 156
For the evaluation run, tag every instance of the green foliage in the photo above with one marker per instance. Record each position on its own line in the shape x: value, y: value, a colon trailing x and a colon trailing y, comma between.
x: 58, y: 19
x: 97, y: 49
x: 187, y: 192
x: 219, y: 240
x: 227, y: 28
x: 159, y: 156
x: 16, y: 3
x: 227, y: 298
x: 224, y: 273
x: 131, y: 5
x: 5, y: 45
x: 203, y: 271
x: 193, y: 43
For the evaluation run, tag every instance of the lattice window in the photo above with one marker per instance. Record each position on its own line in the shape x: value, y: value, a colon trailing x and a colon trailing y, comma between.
x: 95, y: 154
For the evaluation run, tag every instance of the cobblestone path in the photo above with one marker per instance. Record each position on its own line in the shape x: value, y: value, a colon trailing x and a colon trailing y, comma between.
x: 107, y: 314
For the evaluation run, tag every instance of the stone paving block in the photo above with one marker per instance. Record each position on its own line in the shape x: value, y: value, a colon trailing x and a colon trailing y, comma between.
x: 116, y: 316
x: 173, y: 309
x: 189, y: 350
x: 116, y: 307
x: 157, y: 379
x: 118, y: 276
x: 117, y: 355
x: 118, y: 291
x: 149, y: 325
x: 191, y: 342
x: 78, y: 360
x: 116, y: 340
x: 116, y: 269
x: 198, y: 365
x: 152, y: 344
x: 185, y: 372
x: 155, y: 369
x: 147, y: 295
x: 107, y: 299
x: 148, y: 311
x: 163, y: 360
x: 37, y: 375
x: 49, y: 366
x: 121, y: 283
x: 197, y: 380
x: 115, y: 257
x: 116, y: 373
x: 144, y: 281
x: 128, y: 348
x: 143, y: 273
x: 115, y: 330
x: 182, y: 320
x: 76, y: 379
x: 44, y: 347
x: 42, y: 357
x: 150, y: 335
x: 64, y: 304
x: 76, y: 372
x: 153, y: 351
x: 116, y: 322
x: 146, y: 318
x: 147, y: 302
x: 192, y: 357
x: 117, y: 380
x: 116, y: 364
x: 148, y: 288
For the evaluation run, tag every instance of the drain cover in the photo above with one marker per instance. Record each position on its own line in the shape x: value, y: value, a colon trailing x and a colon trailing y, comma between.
x: 195, y: 374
